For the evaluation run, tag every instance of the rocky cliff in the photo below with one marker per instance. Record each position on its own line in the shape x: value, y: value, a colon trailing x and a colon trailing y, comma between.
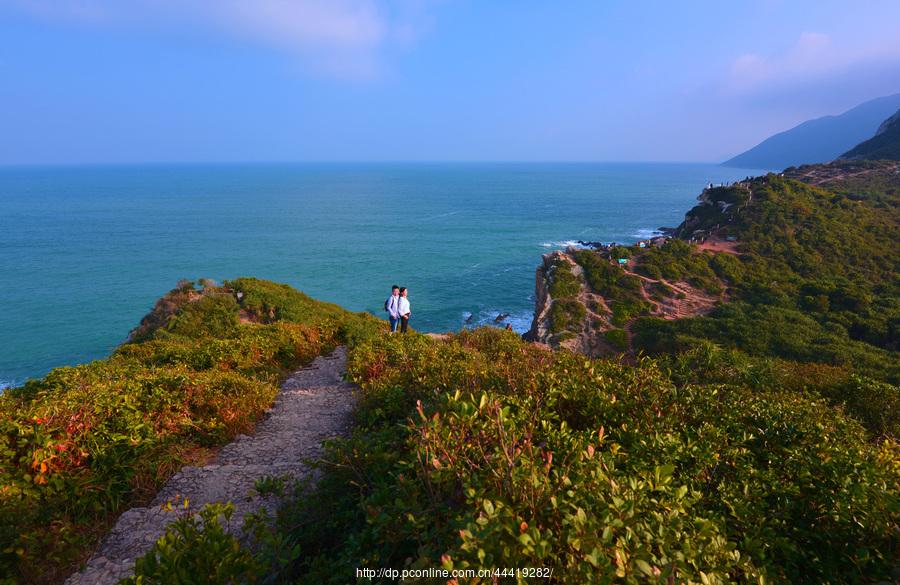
x: 567, y: 313
x: 587, y: 300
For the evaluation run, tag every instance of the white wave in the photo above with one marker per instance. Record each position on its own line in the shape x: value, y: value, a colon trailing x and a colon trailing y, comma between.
x: 4, y: 384
x: 440, y: 215
x: 521, y: 322
x: 646, y: 234
x: 561, y: 244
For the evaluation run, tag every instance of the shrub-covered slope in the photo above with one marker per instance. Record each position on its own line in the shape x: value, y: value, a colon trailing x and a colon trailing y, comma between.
x: 485, y: 451
x: 815, y: 277
x: 86, y: 442
x: 773, y: 266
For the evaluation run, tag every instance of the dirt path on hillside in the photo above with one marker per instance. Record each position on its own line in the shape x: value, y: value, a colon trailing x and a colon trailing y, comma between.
x: 694, y: 301
x: 715, y: 244
x: 314, y: 404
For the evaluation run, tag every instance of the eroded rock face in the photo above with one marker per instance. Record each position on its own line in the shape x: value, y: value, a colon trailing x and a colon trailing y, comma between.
x: 539, y: 326
x: 577, y: 335
x: 584, y: 321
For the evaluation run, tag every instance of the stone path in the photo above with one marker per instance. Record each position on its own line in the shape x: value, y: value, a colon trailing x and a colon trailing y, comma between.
x: 314, y: 404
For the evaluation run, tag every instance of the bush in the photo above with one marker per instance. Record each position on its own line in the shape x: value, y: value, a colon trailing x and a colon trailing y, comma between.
x: 483, y: 451
x: 625, y: 311
x: 269, y: 301
x: 211, y: 315
x: 617, y: 338
x: 563, y: 283
x: 198, y: 547
x: 567, y: 315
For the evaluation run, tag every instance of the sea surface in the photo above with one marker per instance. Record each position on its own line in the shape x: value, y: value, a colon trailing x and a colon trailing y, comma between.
x: 85, y: 251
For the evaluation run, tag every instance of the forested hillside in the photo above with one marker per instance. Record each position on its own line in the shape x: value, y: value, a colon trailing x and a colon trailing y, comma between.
x: 812, y: 276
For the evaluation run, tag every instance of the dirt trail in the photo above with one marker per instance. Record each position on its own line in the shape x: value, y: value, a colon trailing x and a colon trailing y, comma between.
x: 715, y: 244
x: 694, y: 302
x: 314, y: 404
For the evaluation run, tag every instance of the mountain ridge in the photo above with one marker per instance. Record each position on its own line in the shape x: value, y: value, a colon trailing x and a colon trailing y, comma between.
x: 885, y: 145
x: 818, y: 140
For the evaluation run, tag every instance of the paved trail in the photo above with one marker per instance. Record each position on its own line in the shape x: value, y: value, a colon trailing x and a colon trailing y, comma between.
x: 314, y: 404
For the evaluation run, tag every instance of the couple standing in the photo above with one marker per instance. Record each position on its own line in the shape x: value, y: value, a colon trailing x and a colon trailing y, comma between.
x: 397, y: 306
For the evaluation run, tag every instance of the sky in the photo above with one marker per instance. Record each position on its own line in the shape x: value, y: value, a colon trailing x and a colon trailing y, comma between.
x: 145, y: 81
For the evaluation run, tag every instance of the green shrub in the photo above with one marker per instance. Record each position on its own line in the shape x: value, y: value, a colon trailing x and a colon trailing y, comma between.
x: 607, y: 279
x: 567, y: 315
x: 762, y: 330
x: 211, y: 315
x: 563, y: 282
x: 483, y: 451
x: 625, y: 311
x: 197, y: 548
x: 268, y: 301
x: 617, y: 338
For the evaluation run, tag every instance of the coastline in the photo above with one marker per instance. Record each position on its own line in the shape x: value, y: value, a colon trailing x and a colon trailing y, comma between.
x: 473, y: 239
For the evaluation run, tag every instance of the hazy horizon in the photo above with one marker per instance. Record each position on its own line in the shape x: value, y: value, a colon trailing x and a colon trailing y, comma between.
x: 96, y: 82
x: 238, y: 162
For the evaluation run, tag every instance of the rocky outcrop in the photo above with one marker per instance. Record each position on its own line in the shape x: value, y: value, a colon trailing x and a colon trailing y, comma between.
x: 540, y: 324
x: 717, y: 208
x: 573, y: 320
x: 570, y: 314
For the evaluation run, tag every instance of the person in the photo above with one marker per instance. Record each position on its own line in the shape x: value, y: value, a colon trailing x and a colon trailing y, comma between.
x: 392, y: 306
x: 404, y: 309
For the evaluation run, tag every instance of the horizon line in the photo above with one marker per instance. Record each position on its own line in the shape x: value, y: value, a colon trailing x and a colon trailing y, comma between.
x: 86, y: 164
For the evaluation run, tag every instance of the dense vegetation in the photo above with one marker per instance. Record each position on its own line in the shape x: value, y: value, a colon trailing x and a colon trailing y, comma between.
x: 817, y: 280
x: 563, y: 282
x: 485, y: 451
x: 622, y: 290
x: 86, y: 442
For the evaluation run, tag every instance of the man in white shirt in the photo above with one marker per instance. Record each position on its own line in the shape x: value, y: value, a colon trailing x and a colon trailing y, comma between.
x: 404, y: 310
x: 392, y: 306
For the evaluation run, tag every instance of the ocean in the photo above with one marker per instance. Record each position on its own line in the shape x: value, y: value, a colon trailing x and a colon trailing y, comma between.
x: 85, y: 251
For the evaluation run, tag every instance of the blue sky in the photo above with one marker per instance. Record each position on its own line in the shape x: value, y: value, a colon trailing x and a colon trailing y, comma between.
x: 122, y: 81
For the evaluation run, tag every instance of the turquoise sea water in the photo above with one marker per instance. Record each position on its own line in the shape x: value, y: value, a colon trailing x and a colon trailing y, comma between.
x: 85, y: 251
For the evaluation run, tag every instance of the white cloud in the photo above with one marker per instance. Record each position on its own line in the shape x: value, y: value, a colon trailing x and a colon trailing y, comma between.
x: 343, y: 38
x: 812, y: 54
x: 813, y: 57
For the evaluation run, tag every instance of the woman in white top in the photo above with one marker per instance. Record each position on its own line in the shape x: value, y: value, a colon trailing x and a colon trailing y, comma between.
x: 404, y: 309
